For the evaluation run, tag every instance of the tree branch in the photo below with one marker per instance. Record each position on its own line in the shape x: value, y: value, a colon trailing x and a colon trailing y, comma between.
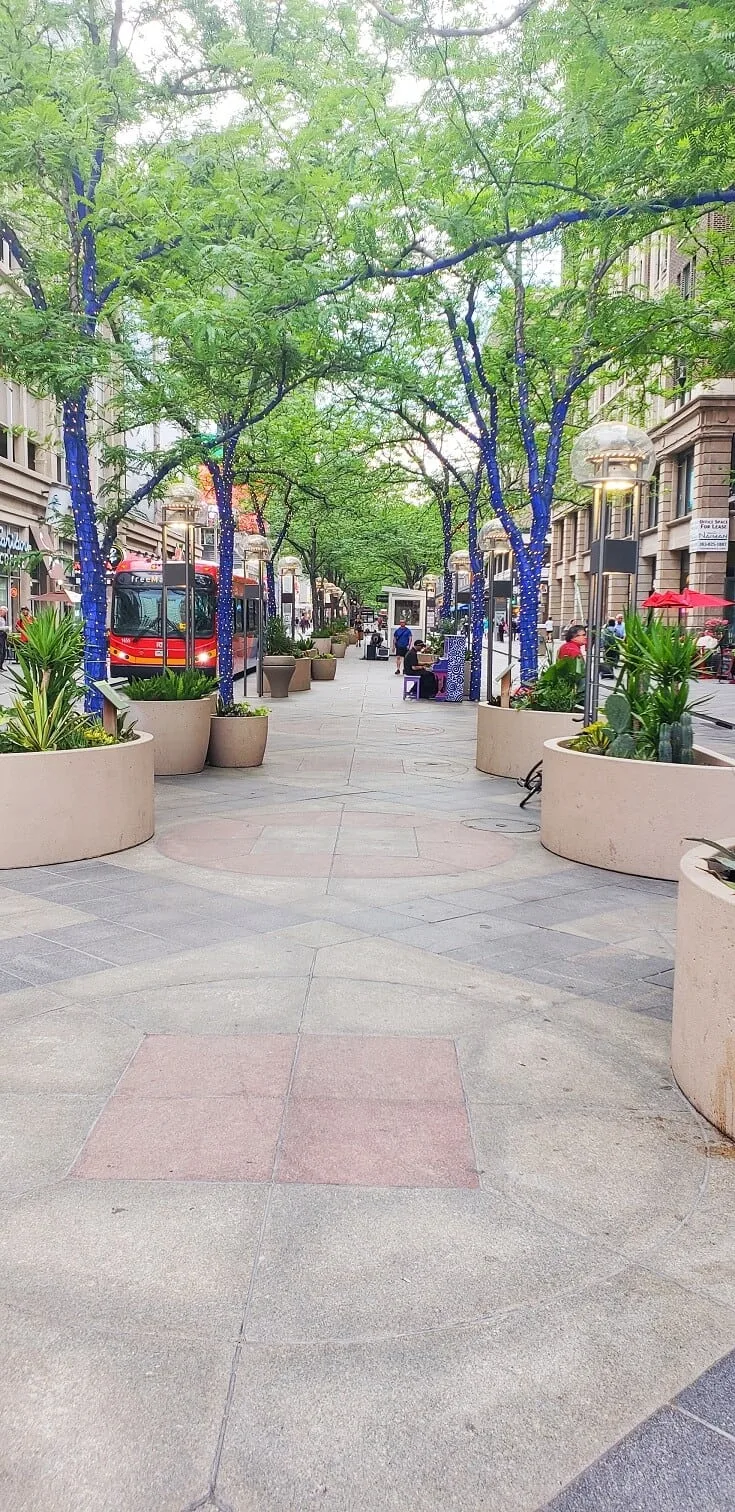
x: 419, y: 27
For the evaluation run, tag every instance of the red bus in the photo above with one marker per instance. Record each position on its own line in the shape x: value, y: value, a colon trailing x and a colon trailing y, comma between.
x: 135, y: 639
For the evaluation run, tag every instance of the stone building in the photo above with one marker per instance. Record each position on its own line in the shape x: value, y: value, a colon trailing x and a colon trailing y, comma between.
x: 687, y: 529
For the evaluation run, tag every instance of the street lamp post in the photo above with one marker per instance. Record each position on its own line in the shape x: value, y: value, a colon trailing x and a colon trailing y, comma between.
x: 611, y: 457
x: 182, y: 506
x: 259, y: 549
x: 290, y: 565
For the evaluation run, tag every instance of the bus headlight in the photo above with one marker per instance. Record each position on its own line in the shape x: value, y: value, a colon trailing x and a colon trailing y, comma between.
x: 120, y: 655
x: 205, y: 656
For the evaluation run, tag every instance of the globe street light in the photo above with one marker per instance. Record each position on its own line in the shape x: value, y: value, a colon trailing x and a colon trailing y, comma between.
x: 611, y: 457
x: 289, y: 565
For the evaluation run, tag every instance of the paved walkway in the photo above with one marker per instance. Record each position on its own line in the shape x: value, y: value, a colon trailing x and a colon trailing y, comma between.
x: 342, y: 1166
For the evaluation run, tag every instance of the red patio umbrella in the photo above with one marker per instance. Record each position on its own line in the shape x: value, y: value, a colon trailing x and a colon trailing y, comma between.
x: 667, y: 600
x: 691, y: 600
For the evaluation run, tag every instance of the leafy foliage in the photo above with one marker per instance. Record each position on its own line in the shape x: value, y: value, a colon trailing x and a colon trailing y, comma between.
x: 277, y: 639
x: 648, y: 717
x: 172, y: 687
x: 558, y: 689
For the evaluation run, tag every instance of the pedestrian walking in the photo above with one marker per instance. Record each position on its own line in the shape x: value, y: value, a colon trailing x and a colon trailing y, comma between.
x: 501, y: 631
x: 359, y: 631
x: 3, y: 635
x: 401, y: 643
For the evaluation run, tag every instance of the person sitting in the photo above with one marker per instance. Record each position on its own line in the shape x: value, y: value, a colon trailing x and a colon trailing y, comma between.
x: 411, y: 659
x: 574, y: 642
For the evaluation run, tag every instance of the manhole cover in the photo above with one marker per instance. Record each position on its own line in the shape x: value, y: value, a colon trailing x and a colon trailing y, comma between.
x: 506, y: 826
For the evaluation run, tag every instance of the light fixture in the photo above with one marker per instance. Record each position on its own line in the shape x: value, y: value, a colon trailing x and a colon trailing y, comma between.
x: 614, y: 455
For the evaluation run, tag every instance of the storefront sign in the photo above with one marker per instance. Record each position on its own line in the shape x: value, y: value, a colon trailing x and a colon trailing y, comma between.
x: 12, y: 544
x: 711, y: 534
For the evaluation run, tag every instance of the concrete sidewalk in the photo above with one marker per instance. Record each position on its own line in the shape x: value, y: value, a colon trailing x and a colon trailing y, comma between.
x: 342, y: 1166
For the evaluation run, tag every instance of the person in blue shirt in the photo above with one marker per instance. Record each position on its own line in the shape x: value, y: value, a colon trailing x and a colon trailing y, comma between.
x: 401, y: 644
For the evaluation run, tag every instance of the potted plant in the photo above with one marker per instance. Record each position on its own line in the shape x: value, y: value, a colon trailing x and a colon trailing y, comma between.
x: 323, y: 666
x: 69, y: 789
x: 631, y: 786
x: 510, y: 740
x: 279, y: 661
x: 339, y: 644
x: 302, y: 652
x: 703, y: 1027
x: 238, y: 735
x: 323, y: 644
x: 176, y: 709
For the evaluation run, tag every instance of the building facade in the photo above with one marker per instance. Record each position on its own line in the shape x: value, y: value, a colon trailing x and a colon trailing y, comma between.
x: 687, y: 526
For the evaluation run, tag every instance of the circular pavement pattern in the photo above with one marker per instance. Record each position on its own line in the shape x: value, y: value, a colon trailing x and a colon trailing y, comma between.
x: 281, y: 842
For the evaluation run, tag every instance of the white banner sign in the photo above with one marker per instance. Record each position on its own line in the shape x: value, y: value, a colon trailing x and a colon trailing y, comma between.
x: 709, y: 534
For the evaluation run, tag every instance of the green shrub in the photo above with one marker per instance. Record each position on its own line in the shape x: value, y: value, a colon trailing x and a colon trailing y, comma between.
x: 277, y: 640
x: 172, y: 687
x: 559, y: 689
x: 240, y: 710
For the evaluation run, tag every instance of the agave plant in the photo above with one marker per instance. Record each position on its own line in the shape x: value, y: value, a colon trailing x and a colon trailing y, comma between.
x: 722, y: 864
x: 34, y: 723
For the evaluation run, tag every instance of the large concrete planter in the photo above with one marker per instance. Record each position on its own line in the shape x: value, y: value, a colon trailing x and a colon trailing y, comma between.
x: 339, y: 649
x: 180, y: 729
x: 70, y: 805
x: 323, y: 643
x: 238, y: 741
x: 301, y: 680
x: 279, y: 671
x: 703, y: 1030
x: 632, y: 816
x: 323, y: 671
x: 511, y: 741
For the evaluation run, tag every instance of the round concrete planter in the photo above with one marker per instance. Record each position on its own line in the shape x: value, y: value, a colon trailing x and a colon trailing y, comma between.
x: 301, y: 680
x: 180, y: 729
x: 339, y: 649
x: 511, y: 741
x: 279, y: 671
x: 351, y: 638
x: 70, y: 805
x: 323, y: 643
x: 703, y: 1030
x: 323, y: 671
x: 238, y: 741
x: 632, y: 816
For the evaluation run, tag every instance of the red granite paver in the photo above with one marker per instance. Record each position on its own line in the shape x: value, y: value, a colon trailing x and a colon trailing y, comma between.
x: 210, y: 1065
x: 390, y: 1068
x: 374, y: 1142
x: 383, y: 1110
x: 183, y: 1139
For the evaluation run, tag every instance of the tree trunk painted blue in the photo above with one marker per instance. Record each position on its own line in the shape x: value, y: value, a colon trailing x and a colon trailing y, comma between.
x: 91, y: 561
x: 222, y: 479
x: 477, y: 589
x: 446, y: 514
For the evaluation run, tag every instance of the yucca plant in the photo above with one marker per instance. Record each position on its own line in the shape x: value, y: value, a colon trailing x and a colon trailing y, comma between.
x: 50, y: 656
x: 34, y: 723
x: 722, y: 864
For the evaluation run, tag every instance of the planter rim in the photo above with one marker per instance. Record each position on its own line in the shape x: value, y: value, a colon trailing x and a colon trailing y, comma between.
x: 718, y: 760
x: 235, y: 718
x: 700, y: 877
x: 281, y: 661
x: 91, y: 750
x: 183, y: 702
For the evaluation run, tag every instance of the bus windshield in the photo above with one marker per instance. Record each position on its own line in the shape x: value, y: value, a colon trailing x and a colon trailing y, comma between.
x: 136, y: 612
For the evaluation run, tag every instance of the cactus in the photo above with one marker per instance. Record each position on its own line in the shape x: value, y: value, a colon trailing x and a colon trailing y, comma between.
x: 620, y: 719
x: 675, y: 741
x: 665, y: 744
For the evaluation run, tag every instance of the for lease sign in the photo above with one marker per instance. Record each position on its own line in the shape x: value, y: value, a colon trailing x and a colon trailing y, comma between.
x: 710, y: 534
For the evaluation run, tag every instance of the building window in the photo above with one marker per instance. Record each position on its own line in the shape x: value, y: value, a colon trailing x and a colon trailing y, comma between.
x: 4, y: 441
x: 686, y: 278
x: 573, y: 534
x: 654, y: 499
x: 607, y: 523
x: 559, y: 541
x: 684, y: 571
x: 60, y: 467
x: 32, y: 455
x: 684, y: 483
x: 627, y: 514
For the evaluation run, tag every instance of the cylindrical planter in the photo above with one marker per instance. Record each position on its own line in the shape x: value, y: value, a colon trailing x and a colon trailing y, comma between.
x: 279, y: 671
x: 323, y: 643
x: 632, y: 816
x: 339, y: 648
x: 352, y: 638
x: 511, y: 741
x: 180, y: 729
x: 301, y: 680
x: 71, y: 805
x: 238, y: 741
x: 323, y: 670
x: 703, y: 1029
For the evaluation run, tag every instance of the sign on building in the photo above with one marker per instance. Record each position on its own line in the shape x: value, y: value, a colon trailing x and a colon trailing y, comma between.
x: 709, y: 534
